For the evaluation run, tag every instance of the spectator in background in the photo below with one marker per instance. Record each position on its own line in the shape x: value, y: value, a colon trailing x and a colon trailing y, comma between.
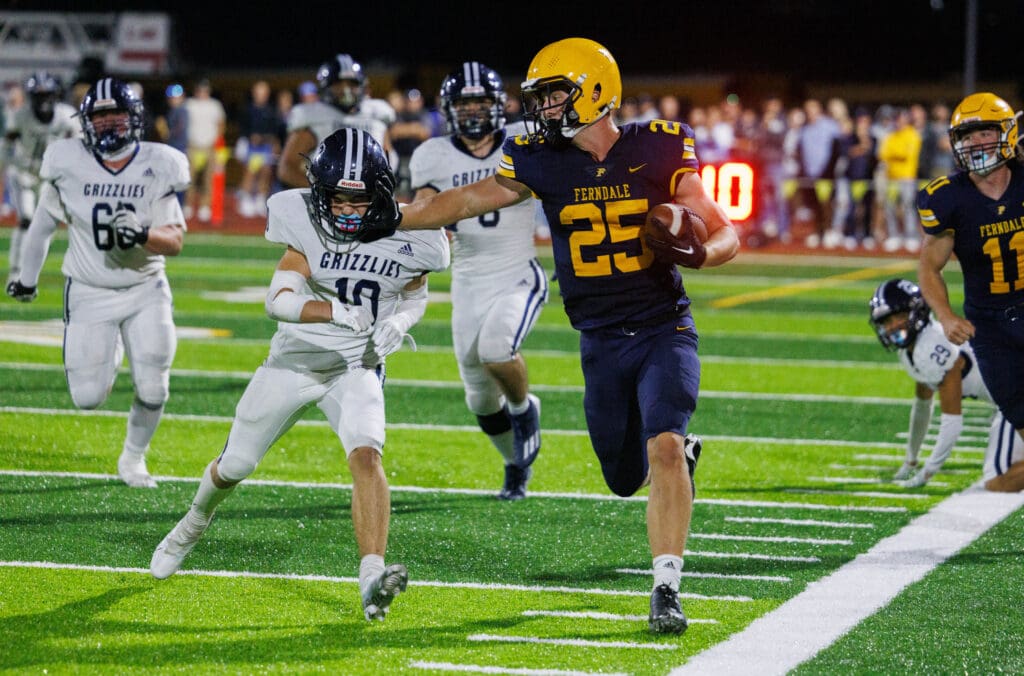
x: 899, y: 152
x: 412, y: 126
x: 513, y: 110
x: 628, y: 111
x: 669, y: 109
x: 860, y: 148
x: 771, y: 136
x: 818, y: 138
x: 646, y: 109
x: 842, y: 197
x: 258, y: 148
x: 172, y: 128
x: 936, y: 157
x: 206, y: 119
x: 308, y: 93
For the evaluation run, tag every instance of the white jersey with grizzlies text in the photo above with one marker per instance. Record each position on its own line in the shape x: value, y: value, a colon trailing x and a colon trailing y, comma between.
x: 372, y: 275
x: 373, y: 116
x: 934, y: 356
x: 490, y: 248
x: 90, y: 194
x: 34, y: 136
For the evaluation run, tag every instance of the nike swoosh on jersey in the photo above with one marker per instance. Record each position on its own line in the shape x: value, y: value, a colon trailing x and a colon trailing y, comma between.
x: 688, y: 250
x: 635, y: 169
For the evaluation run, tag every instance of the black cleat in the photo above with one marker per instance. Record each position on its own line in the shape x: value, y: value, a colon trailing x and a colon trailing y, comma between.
x: 515, y: 483
x: 666, y: 614
x: 691, y: 449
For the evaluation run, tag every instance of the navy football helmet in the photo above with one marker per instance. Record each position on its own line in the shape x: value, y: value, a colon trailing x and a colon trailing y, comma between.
x: 351, y: 164
x: 44, y: 91
x: 473, y: 83
x: 111, y: 95
x: 341, y: 68
x: 898, y: 295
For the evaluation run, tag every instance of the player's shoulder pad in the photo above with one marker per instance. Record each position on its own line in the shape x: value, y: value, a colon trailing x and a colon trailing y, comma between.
x: 936, y: 200
x: 171, y: 162
x: 286, y: 211
x: 59, y: 156
x: 379, y: 109
x: 430, y: 247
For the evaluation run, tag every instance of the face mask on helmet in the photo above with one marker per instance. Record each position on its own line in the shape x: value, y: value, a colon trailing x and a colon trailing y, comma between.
x: 898, y: 313
x: 473, y: 100
x: 983, y: 133
x: 111, y: 118
x: 475, y: 118
x: 339, y: 212
x: 548, y: 109
x: 43, y: 104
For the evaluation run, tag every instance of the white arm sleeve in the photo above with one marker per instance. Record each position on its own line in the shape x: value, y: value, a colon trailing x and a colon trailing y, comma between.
x: 284, y: 302
x: 950, y: 427
x: 920, y: 417
x: 37, y: 240
x: 410, y: 309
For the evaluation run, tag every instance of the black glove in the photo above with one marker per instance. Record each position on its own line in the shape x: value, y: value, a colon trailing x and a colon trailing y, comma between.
x: 129, y: 232
x: 687, y: 250
x: 383, y: 216
x: 18, y: 291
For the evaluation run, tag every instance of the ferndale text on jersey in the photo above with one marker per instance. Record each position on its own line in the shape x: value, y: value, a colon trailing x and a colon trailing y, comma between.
x: 375, y: 265
x: 1012, y: 225
x: 601, y: 193
x: 114, y: 190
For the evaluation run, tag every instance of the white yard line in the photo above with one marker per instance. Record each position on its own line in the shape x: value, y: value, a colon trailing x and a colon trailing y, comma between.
x: 574, y: 642
x: 799, y: 522
x: 829, y: 608
x: 717, y: 576
x: 614, y: 617
x: 483, y: 669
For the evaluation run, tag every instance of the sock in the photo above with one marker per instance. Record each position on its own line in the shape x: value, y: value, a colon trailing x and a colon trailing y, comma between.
x: 498, y: 428
x: 667, y: 570
x: 520, y: 408
x: 207, y: 498
x: 370, y: 568
x: 142, y: 422
x: 14, y: 253
x: 503, y: 442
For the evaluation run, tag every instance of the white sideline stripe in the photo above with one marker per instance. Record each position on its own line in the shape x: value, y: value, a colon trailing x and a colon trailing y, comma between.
x: 799, y: 522
x: 719, y: 576
x: 829, y: 608
x: 862, y: 480
x: 860, y: 494
x: 860, y: 468
x: 591, y: 615
x: 480, y: 669
x: 51, y: 565
x: 574, y: 642
x: 769, y: 538
x: 461, y: 491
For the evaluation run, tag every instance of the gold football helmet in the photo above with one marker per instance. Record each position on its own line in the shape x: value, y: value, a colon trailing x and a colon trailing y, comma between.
x: 583, y: 70
x: 983, y: 110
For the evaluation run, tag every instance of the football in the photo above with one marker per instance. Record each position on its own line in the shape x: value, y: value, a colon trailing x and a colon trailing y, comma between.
x: 677, y: 220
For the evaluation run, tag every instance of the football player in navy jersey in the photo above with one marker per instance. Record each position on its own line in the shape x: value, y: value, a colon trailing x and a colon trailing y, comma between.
x: 978, y: 214
x: 620, y: 285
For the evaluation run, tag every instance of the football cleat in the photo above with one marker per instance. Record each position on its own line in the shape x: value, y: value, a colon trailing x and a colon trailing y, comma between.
x: 918, y: 480
x: 515, y: 483
x: 667, y: 615
x: 378, y: 596
x: 905, y: 471
x: 173, y: 549
x: 526, y: 434
x: 691, y: 449
x: 131, y: 467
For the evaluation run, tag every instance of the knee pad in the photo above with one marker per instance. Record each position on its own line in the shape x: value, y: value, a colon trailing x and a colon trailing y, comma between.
x: 232, y: 468
x: 89, y: 388
x: 152, y: 385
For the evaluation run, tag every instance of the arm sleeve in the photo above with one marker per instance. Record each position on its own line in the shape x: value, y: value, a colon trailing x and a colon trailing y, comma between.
x: 920, y: 417
x: 40, y: 231
x: 949, y: 431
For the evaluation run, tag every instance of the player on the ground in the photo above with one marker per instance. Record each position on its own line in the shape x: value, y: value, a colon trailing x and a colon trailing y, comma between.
x: 619, y: 282
x: 43, y: 119
x: 343, y: 103
x: 342, y: 305
x: 498, y: 286
x: 978, y: 214
x: 902, y: 321
x: 117, y: 196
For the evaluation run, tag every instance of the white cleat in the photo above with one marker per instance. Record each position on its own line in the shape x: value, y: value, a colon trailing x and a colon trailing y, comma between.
x: 131, y: 467
x: 378, y: 596
x: 905, y: 471
x: 918, y: 480
x: 173, y: 549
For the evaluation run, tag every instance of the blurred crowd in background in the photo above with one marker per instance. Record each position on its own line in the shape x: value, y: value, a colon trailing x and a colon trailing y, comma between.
x: 831, y: 174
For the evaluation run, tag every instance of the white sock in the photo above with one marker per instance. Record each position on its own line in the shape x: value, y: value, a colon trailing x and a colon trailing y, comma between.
x: 521, y: 407
x: 667, y: 570
x: 142, y: 423
x: 370, y: 568
x: 503, y: 442
x: 207, y: 497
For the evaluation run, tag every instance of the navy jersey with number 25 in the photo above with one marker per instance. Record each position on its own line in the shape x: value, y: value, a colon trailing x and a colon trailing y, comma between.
x: 596, y: 211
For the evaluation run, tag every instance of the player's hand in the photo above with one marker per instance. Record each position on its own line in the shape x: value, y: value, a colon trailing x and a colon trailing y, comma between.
x: 129, y: 232
x: 685, y: 250
x: 958, y: 330
x: 383, y: 216
x: 387, y: 338
x: 353, y: 317
x: 18, y: 291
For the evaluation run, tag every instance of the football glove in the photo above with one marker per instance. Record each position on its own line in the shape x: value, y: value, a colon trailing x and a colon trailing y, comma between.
x: 129, y: 232
x: 354, y: 317
x: 18, y: 291
x: 383, y: 216
x: 685, y: 250
x: 387, y: 337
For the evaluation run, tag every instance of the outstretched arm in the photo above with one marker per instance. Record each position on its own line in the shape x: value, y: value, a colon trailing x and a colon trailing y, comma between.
x: 935, y: 253
x: 449, y: 206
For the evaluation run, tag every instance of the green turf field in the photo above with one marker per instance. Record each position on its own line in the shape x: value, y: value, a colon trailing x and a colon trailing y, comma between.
x: 803, y: 416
